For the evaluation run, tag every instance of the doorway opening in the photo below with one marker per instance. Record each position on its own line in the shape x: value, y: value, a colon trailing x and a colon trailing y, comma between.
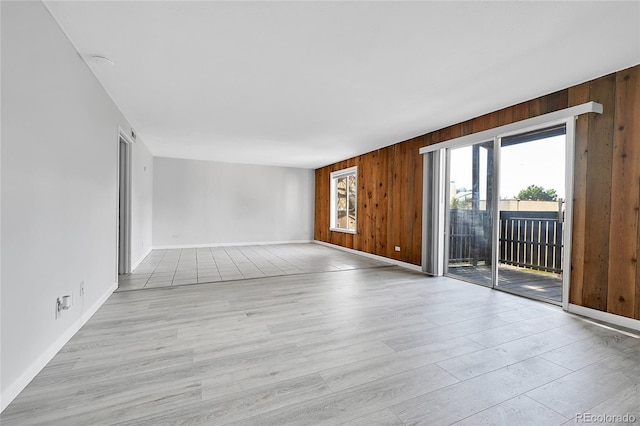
x: 124, y: 208
x: 470, y: 213
x: 475, y: 226
x: 499, y: 205
x: 532, y: 214
x: 526, y: 207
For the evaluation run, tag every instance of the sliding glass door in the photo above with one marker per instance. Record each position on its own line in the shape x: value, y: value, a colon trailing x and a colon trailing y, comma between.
x: 498, y: 206
x: 532, y: 213
x: 469, y: 213
x: 505, y: 233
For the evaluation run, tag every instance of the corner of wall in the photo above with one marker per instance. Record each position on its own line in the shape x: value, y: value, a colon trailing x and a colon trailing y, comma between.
x: 14, y: 389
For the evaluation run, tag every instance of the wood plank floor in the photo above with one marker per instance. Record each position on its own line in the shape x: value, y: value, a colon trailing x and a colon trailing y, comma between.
x: 370, y: 346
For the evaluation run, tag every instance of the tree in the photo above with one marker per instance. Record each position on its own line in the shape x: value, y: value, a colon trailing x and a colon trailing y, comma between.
x: 454, y: 204
x: 537, y: 193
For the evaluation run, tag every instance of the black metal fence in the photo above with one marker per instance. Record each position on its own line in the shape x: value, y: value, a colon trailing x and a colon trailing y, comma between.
x: 527, y: 239
x: 469, y: 236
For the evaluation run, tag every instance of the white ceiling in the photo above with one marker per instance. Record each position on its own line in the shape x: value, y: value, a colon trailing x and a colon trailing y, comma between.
x: 305, y: 84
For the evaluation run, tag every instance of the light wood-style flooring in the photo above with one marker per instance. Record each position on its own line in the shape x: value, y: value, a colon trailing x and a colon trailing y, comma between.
x: 377, y: 345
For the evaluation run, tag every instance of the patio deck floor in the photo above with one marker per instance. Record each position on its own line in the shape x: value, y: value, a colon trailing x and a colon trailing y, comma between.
x: 521, y: 281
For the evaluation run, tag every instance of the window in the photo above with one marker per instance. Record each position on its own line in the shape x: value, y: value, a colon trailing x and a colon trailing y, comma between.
x: 344, y: 200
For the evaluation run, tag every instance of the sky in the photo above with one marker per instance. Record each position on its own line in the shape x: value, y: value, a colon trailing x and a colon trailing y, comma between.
x: 538, y: 162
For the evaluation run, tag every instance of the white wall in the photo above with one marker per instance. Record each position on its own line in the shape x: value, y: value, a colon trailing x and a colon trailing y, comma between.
x: 207, y: 202
x: 141, y: 202
x: 59, y: 192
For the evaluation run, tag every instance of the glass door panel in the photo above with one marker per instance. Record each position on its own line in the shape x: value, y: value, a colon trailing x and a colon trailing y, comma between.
x: 469, y: 214
x: 532, y: 186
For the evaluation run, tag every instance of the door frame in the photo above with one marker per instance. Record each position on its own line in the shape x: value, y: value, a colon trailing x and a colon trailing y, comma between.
x: 123, y: 212
x: 447, y: 209
x: 565, y: 116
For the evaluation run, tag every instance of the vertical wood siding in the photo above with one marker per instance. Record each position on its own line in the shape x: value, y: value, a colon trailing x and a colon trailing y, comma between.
x: 606, y: 239
x: 606, y: 235
x: 623, y: 290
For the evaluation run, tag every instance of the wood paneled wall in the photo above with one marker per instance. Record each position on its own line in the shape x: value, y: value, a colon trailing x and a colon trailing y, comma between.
x: 606, y: 236
x: 389, y: 202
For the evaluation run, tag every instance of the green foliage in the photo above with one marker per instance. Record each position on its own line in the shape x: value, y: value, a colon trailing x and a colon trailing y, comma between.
x: 537, y: 193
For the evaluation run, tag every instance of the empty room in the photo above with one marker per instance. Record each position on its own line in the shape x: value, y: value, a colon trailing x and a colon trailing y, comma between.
x: 319, y: 213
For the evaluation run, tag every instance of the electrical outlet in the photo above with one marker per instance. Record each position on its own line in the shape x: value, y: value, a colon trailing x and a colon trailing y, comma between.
x: 63, y: 303
x: 175, y: 235
x: 397, y: 248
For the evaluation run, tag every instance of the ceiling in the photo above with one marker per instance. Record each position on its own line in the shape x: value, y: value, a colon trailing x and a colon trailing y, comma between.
x: 305, y: 84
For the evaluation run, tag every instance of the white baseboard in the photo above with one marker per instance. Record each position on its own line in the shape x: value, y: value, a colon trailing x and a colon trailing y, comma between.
x: 139, y: 261
x: 18, y: 386
x: 619, y: 320
x: 253, y: 243
x: 372, y: 256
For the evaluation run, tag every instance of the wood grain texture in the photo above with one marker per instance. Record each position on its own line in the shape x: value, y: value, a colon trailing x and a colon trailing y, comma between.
x: 579, y: 95
x: 389, y: 203
x: 598, y: 202
x: 380, y: 418
x: 625, y: 191
x: 321, y: 223
x: 417, y: 210
x: 614, y: 375
x: 442, y: 407
x: 637, y: 308
x: 605, y: 203
x: 521, y: 411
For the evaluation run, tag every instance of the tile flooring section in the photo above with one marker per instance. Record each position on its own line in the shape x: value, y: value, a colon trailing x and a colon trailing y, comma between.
x: 367, y: 346
x: 172, y: 267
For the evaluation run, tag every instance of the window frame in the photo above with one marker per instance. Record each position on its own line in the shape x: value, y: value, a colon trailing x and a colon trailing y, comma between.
x: 335, y: 176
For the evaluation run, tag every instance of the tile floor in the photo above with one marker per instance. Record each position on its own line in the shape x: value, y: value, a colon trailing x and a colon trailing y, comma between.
x: 166, y: 268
